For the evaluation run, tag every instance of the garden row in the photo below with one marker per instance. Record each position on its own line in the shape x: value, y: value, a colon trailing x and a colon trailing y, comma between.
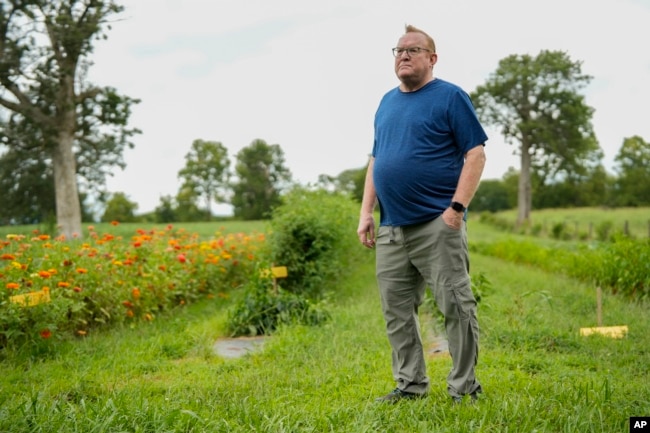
x: 52, y: 288
x: 621, y: 265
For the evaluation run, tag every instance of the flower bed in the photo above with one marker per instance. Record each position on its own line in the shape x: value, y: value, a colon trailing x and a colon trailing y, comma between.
x: 54, y: 288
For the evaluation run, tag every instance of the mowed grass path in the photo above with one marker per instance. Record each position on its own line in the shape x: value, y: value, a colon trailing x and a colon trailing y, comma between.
x: 539, y: 375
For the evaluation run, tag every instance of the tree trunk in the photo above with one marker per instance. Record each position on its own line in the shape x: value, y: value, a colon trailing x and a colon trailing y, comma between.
x: 524, y: 193
x: 68, y: 208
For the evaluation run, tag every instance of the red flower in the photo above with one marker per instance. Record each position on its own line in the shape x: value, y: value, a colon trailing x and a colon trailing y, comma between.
x: 181, y: 258
x: 45, y: 333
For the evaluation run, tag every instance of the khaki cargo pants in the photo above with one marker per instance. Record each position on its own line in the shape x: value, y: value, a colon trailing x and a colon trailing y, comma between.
x: 409, y: 258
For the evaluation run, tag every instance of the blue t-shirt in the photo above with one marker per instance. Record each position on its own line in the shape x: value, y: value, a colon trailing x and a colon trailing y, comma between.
x: 421, y: 138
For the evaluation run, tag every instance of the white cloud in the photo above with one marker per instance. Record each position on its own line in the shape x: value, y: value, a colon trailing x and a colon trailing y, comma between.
x: 308, y: 75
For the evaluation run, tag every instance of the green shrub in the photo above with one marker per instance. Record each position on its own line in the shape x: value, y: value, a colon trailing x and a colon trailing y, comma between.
x: 603, y: 230
x: 264, y: 307
x: 313, y: 234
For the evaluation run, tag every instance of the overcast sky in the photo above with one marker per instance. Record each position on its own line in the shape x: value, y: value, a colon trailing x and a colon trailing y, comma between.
x: 308, y: 75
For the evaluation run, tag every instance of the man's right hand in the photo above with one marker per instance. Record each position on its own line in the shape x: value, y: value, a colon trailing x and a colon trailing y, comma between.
x: 366, y: 231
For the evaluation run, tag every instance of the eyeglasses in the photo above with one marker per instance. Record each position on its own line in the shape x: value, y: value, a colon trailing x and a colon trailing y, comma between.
x: 412, y: 51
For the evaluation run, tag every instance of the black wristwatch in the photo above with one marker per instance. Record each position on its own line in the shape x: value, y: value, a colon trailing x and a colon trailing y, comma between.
x: 457, y: 206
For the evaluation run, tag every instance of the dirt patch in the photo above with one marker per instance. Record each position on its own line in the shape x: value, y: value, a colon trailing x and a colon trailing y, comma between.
x: 238, y: 347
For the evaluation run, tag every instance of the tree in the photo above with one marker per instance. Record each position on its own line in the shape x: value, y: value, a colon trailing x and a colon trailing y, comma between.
x: 350, y: 181
x: 27, y: 189
x: 491, y: 196
x: 537, y: 104
x: 165, y: 212
x: 206, y: 170
x: 44, y: 50
x: 187, y: 209
x: 120, y: 208
x: 632, y: 161
x: 262, y: 176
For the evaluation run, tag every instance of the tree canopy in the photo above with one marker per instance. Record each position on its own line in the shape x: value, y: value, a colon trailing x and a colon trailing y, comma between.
x: 207, y: 172
x: 632, y: 162
x: 261, y: 177
x: 536, y: 101
x: 48, y: 106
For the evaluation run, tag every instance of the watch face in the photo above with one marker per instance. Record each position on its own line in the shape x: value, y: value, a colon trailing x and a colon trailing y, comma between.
x: 458, y: 207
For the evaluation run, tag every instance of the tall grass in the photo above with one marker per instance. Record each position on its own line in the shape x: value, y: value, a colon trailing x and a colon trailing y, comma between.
x: 539, y: 375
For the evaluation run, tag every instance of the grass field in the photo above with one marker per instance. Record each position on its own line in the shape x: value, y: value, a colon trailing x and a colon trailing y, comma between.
x: 588, y: 219
x: 203, y: 229
x: 538, y: 373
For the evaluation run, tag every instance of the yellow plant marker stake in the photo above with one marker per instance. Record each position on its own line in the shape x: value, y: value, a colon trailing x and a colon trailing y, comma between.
x: 32, y: 298
x: 279, y: 271
x: 608, y: 331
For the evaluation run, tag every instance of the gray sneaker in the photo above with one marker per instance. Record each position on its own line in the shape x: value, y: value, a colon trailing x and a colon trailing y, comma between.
x: 397, y: 394
x: 473, y: 398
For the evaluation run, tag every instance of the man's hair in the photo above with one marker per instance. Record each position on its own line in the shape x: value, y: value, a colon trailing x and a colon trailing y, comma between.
x: 413, y: 29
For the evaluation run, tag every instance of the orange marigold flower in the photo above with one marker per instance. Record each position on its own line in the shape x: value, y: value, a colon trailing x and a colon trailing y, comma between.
x: 44, y: 274
x: 129, y: 313
x: 67, y: 263
x: 63, y: 284
x: 77, y: 289
x: 8, y: 257
x: 115, y: 223
x: 162, y: 267
x: 135, y: 292
x: 181, y: 258
x: 12, y: 286
x: 82, y: 271
x: 81, y: 332
x: 43, y: 237
x: 127, y: 304
x: 46, y: 333
x: 148, y: 317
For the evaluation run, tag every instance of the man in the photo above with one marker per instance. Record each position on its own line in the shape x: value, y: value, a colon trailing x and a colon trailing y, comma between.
x: 426, y: 164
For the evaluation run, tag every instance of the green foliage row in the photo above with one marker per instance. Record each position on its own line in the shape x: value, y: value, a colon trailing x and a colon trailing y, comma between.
x: 622, y: 265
